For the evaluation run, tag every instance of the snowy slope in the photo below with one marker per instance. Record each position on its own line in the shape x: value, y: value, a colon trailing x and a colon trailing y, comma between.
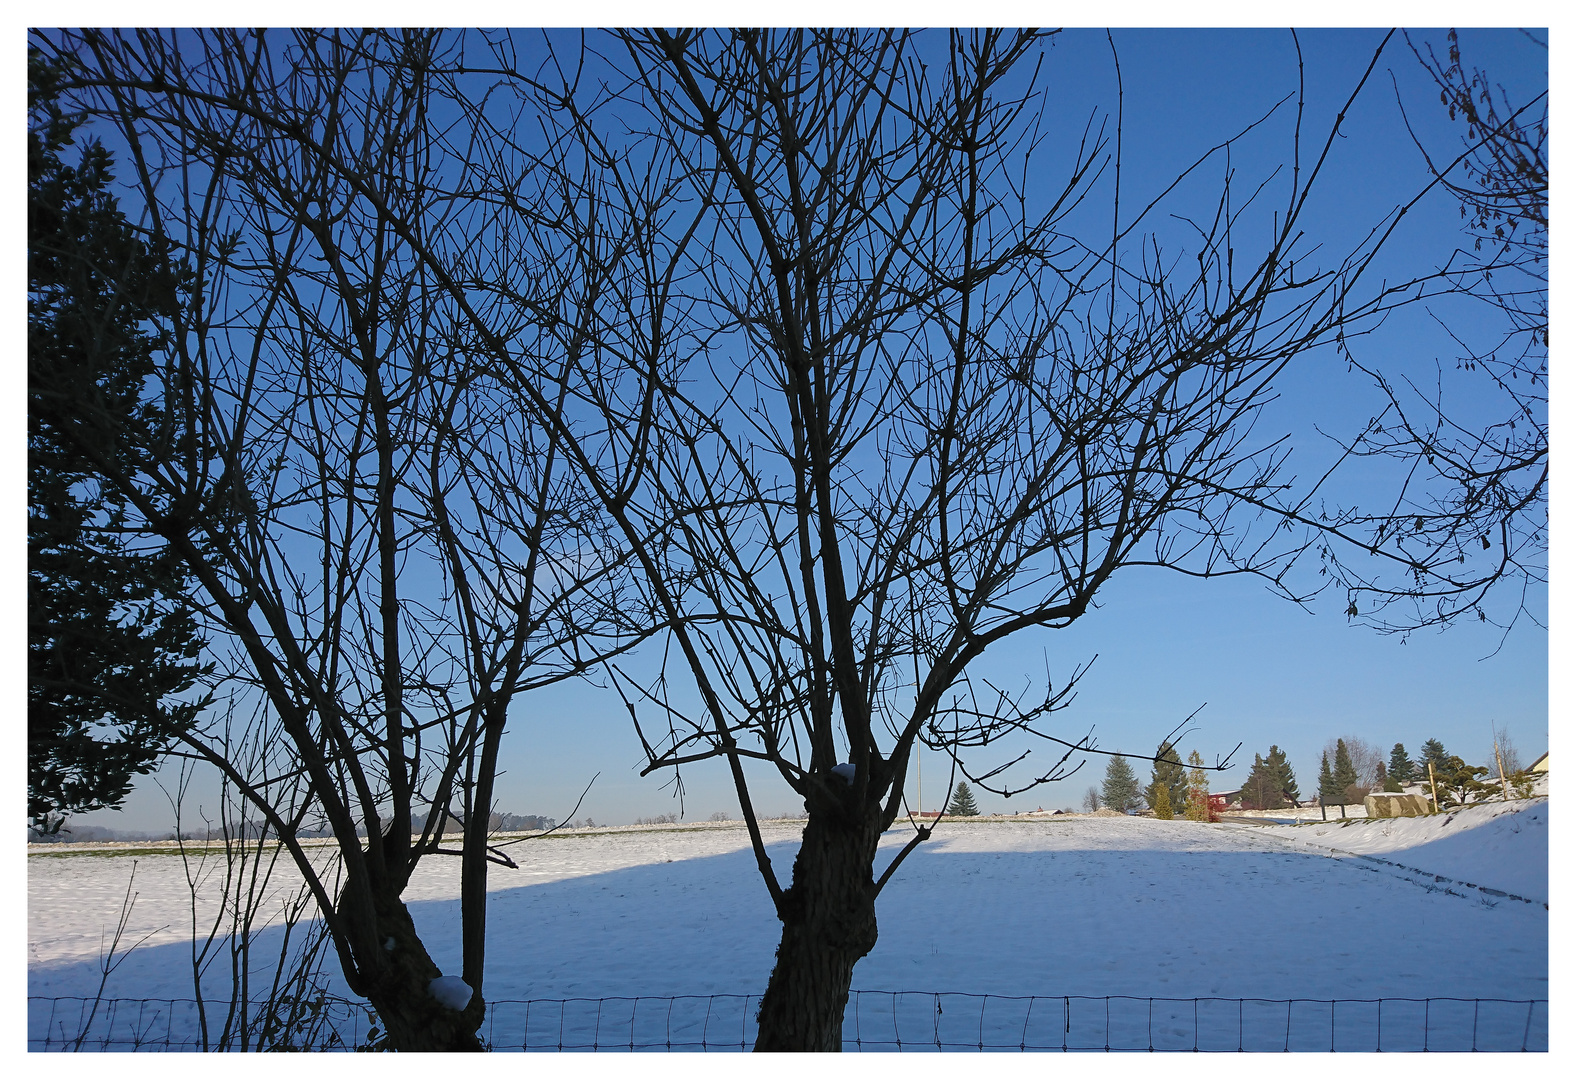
x: 1501, y: 845
x: 1070, y: 905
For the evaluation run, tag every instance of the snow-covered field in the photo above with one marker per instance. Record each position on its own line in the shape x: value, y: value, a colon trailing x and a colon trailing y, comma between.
x: 1466, y: 845
x: 1067, y: 905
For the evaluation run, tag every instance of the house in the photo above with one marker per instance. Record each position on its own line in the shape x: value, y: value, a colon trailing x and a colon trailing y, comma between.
x: 1540, y: 766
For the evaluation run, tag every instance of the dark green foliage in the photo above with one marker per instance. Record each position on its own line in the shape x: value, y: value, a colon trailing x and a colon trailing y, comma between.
x: 1345, y: 776
x: 1382, y: 779
x: 1169, y: 774
x: 1280, y: 771
x: 1120, y: 790
x: 108, y: 639
x: 962, y: 803
x: 1402, y: 770
x: 1433, y: 754
x: 1262, y: 789
x: 1460, y: 783
x: 1327, y: 789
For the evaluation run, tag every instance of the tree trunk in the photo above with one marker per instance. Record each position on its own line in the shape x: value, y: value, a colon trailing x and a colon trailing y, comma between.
x: 413, y: 1020
x: 829, y: 923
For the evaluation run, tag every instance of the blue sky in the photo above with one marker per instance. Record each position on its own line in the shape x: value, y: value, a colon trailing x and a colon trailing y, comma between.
x: 1263, y: 670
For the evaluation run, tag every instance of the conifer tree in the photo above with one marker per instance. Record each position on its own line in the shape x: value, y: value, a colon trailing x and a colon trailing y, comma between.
x: 111, y: 646
x: 962, y: 804
x: 1162, y: 805
x: 1460, y: 783
x: 1327, y: 789
x: 1401, y: 770
x: 1280, y: 772
x: 1433, y: 754
x: 1197, y: 789
x: 1120, y: 791
x: 1262, y: 791
x: 1345, y: 774
x: 1167, y: 773
x: 1253, y: 788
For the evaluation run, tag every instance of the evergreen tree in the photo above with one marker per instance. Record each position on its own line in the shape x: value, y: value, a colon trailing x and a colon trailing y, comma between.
x: 1460, y: 783
x: 1433, y: 754
x: 1402, y: 771
x: 1197, y: 789
x: 1253, y: 792
x: 1167, y: 773
x: 1162, y: 804
x: 1345, y: 775
x: 1327, y: 789
x: 1262, y: 791
x: 1285, y: 780
x: 109, y: 642
x: 962, y: 804
x: 1120, y: 791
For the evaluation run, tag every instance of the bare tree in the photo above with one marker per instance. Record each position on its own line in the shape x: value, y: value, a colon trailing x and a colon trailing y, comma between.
x: 1475, y: 493
x: 235, y: 895
x: 909, y: 414
x: 859, y: 392
x: 1367, y: 762
x: 387, y: 550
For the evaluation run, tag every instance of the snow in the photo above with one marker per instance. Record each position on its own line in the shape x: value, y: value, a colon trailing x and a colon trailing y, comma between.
x: 1502, y: 845
x: 451, y: 991
x: 1079, y: 905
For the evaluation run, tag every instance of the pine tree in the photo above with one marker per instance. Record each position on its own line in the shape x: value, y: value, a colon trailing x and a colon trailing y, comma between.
x: 1262, y: 791
x: 1401, y: 771
x: 1460, y: 783
x: 1280, y: 772
x: 1327, y: 789
x: 1253, y: 788
x: 962, y: 804
x: 1167, y: 773
x: 1197, y: 789
x: 1433, y: 754
x: 1120, y: 791
x: 109, y: 641
x: 1345, y: 774
x: 1162, y: 805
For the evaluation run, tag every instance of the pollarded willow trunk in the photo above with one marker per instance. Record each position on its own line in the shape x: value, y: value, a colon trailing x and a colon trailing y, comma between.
x: 413, y: 1020
x: 829, y: 923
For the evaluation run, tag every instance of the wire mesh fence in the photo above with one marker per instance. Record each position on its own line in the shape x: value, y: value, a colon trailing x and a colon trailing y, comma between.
x: 875, y: 1020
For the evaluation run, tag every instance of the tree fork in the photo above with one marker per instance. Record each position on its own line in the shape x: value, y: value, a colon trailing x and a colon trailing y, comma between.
x: 396, y: 986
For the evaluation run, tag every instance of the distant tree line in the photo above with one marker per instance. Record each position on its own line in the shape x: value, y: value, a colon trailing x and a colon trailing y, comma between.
x: 1349, y: 769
